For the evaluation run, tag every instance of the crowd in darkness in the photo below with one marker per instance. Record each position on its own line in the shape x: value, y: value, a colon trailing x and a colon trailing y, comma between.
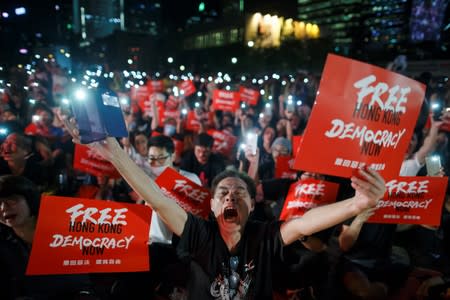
x: 352, y: 260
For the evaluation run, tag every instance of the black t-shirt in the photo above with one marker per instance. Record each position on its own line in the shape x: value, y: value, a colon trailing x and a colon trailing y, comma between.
x: 206, y: 172
x: 213, y: 267
x: 14, y: 284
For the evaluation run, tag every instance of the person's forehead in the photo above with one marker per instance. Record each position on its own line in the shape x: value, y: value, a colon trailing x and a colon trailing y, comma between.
x: 229, y: 182
x: 140, y: 137
x: 201, y: 148
x: 156, y: 150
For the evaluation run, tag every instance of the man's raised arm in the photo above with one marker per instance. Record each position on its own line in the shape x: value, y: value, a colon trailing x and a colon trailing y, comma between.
x: 169, y: 211
x: 369, y: 188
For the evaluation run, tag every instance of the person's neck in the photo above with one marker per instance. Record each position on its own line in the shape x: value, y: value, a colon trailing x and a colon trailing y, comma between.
x: 231, y: 238
x: 26, y: 231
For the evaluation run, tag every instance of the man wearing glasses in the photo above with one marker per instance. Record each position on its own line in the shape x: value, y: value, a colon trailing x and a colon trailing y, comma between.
x: 163, y: 256
x: 160, y: 156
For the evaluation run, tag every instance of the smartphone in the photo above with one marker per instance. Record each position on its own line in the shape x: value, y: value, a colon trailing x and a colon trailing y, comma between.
x: 433, y: 165
x: 242, y: 151
x: 290, y: 104
x: 251, y: 141
x: 436, y: 111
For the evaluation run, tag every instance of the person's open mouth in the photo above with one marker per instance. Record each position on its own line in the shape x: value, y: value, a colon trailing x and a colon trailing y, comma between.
x: 230, y: 213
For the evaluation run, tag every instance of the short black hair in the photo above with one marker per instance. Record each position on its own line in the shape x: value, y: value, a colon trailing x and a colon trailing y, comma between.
x: 251, y: 187
x: 19, y: 185
x: 162, y: 141
x: 203, y: 140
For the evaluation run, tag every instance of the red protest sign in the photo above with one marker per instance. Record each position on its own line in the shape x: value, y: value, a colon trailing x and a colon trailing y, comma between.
x: 168, y: 114
x: 87, y: 160
x: 224, y: 141
x: 146, y: 104
x: 172, y: 103
x: 412, y: 200
x: 155, y: 86
x: 139, y: 93
x: 190, y: 196
x: 283, y: 167
x: 186, y: 88
x: 250, y: 96
x: 363, y: 115
x: 296, y: 142
x: 306, y: 194
x: 89, y: 236
x: 192, y: 122
x: 225, y: 100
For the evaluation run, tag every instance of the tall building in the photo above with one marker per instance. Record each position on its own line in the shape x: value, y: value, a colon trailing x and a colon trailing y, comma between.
x: 338, y: 19
x: 97, y: 19
x: 376, y: 26
x: 143, y: 17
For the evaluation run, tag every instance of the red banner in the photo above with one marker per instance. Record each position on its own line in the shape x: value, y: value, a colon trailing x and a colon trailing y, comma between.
x: 89, y: 236
x: 155, y: 86
x: 224, y: 141
x: 192, y: 122
x: 190, y: 196
x: 296, y: 142
x: 139, y: 93
x: 146, y: 104
x: 172, y: 103
x: 186, y: 88
x: 412, y: 200
x: 306, y: 194
x: 168, y: 114
x: 249, y: 96
x: 363, y: 115
x: 225, y: 100
x: 283, y: 167
x: 87, y: 160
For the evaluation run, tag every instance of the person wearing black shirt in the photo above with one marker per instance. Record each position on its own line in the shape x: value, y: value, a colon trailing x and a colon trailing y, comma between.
x: 202, y: 161
x: 231, y: 256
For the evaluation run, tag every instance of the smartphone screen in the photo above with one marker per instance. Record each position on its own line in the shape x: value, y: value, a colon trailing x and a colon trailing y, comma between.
x: 433, y: 165
x: 252, y: 142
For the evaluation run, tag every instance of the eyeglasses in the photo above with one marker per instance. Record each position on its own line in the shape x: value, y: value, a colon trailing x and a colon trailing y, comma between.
x: 158, y: 159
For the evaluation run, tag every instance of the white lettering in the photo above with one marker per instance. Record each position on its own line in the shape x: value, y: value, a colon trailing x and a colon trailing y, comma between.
x: 365, y: 135
x: 413, y: 187
x: 393, y: 103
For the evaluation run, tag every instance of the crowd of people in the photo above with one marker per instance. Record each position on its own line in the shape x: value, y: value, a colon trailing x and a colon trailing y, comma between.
x: 243, y: 250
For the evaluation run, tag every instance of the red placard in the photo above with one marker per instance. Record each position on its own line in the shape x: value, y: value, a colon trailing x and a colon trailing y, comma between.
x: 87, y: 160
x: 296, y: 142
x: 139, y: 92
x: 283, y: 167
x: 167, y: 114
x: 155, y: 86
x: 190, y: 196
x: 306, y: 194
x: 225, y: 100
x: 248, y: 95
x: 224, y: 141
x: 76, y: 235
x: 412, y: 200
x: 146, y: 104
x: 172, y: 103
x: 363, y: 115
x: 192, y: 122
x: 186, y: 88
